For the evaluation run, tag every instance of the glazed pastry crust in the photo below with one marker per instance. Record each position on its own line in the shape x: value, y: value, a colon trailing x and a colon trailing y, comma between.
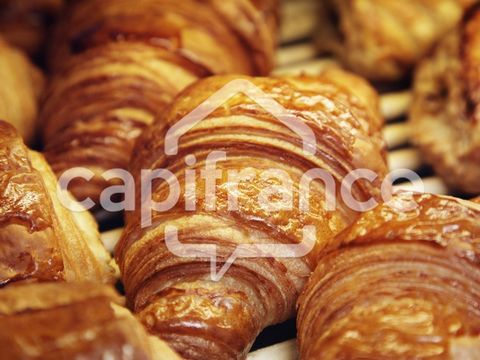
x: 403, y: 285
x: 40, y: 239
x: 445, y: 115
x: 174, y: 296
x: 72, y: 320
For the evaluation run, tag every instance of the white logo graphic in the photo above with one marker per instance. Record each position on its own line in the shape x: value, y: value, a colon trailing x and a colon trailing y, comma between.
x: 240, y: 86
x: 211, y: 174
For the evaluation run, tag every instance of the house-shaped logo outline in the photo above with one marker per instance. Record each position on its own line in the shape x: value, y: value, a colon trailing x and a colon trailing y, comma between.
x: 200, y: 113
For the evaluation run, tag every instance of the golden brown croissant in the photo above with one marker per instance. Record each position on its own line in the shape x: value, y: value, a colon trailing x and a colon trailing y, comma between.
x: 40, y: 239
x: 384, y: 39
x: 445, y: 115
x: 20, y: 89
x: 117, y: 66
x: 405, y: 285
x: 175, y: 296
x: 24, y: 22
x: 72, y: 321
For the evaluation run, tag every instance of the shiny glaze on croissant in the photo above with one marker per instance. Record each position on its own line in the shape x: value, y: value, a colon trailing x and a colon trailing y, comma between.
x: 174, y: 296
x: 404, y: 285
x: 384, y: 39
x: 40, y: 239
x: 20, y: 89
x: 24, y: 22
x: 119, y: 65
x: 445, y: 115
x: 72, y: 321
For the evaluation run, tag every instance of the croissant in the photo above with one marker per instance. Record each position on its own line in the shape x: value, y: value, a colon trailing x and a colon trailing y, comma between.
x: 72, y: 321
x: 40, y: 239
x: 20, y: 89
x: 445, y: 115
x: 119, y: 65
x: 24, y: 22
x: 173, y: 292
x: 383, y: 40
x: 404, y: 285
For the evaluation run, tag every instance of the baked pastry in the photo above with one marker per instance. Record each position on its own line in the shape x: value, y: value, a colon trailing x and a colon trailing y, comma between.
x: 24, y: 22
x: 73, y: 321
x: 221, y: 37
x: 119, y: 65
x: 384, y: 39
x: 40, y: 239
x: 445, y: 115
x: 403, y: 285
x: 173, y: 293
x: 20, y: 89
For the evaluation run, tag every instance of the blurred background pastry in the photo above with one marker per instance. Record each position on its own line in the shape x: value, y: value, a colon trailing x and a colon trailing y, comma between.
x: 21, y: 87
x: 445, y: 114
x: 384, y: 39
x: 24, y: 23
x: 116, y: 66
